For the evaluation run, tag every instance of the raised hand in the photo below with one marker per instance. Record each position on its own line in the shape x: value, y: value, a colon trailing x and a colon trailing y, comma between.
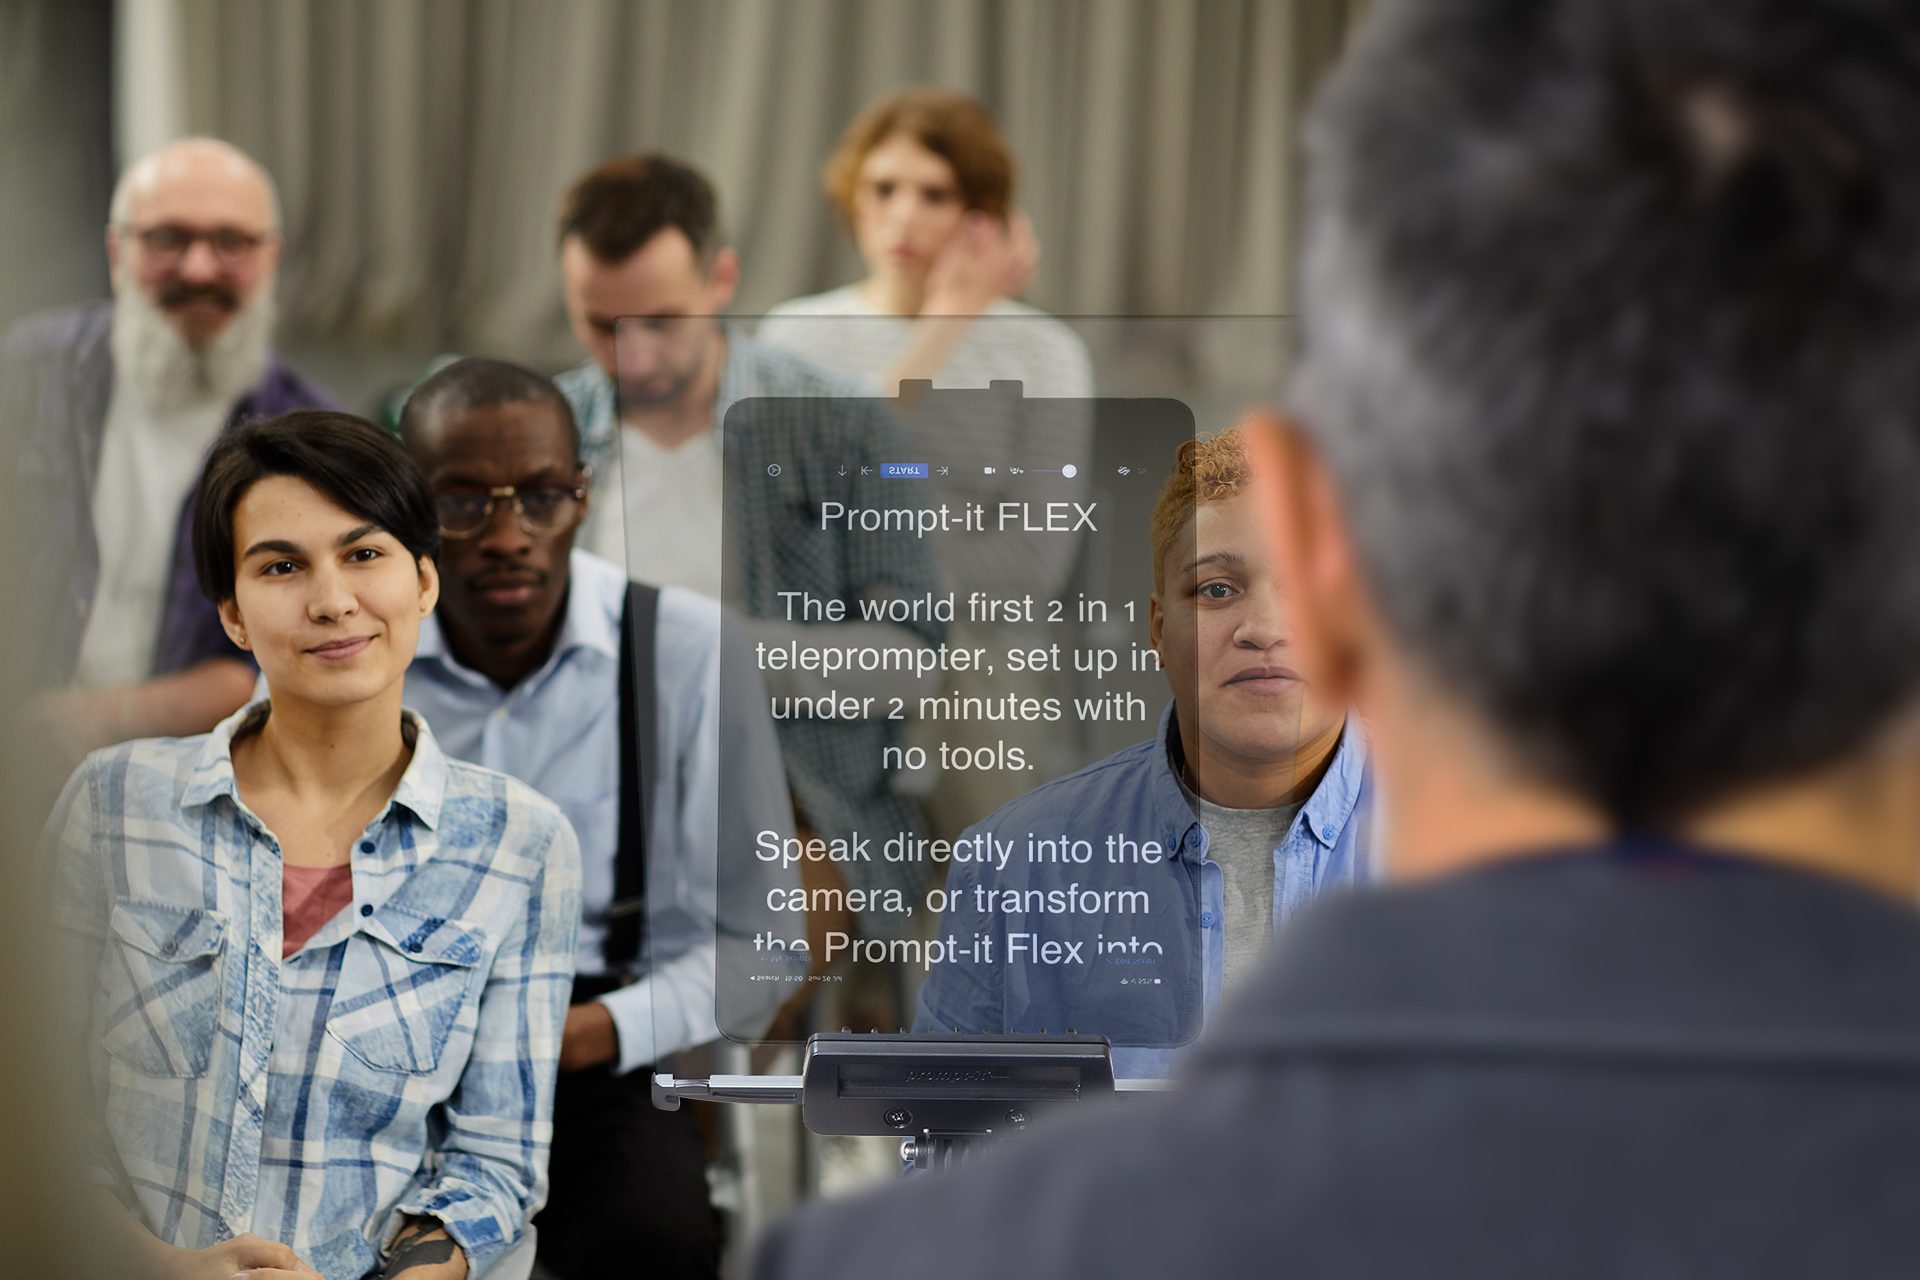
x: 984, y: 261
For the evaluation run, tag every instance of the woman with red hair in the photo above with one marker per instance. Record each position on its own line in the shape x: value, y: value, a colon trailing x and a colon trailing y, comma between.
x: 924, y: 183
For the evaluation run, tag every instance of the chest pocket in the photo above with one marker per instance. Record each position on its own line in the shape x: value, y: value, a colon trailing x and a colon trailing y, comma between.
x: 160, y: 983
x: 402, y: 984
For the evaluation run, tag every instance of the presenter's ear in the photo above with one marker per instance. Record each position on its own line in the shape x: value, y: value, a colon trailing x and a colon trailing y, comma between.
x: 1314, y: 555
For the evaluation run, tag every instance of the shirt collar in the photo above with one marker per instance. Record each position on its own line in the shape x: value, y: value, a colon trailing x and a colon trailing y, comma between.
x: 1331, y: 806
x: 422, y: 789
x: 1324, y: 816
x: 1597, y: 953
x: 1166, y: 794
x: 596, y: 592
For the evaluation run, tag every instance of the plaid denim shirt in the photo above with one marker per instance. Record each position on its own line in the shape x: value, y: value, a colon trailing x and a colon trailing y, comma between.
x: 400, y: 1063
x: 808, y: 421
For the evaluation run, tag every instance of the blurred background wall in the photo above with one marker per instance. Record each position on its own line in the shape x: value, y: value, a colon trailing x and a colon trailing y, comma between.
x: 56, y: 151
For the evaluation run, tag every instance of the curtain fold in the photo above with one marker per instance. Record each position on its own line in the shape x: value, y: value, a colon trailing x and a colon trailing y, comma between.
x: 421, y: 145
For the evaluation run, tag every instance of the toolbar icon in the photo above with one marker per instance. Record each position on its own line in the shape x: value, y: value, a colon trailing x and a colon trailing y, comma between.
x: 1125, y: 471
x: 986, y: 471
x: 1015, y: 471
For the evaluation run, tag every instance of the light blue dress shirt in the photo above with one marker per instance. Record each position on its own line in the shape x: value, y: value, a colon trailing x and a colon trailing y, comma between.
x: 558, y: 730
x: 1150, y: 1000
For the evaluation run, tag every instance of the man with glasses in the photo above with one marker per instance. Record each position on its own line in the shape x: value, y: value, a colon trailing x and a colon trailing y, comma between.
x: 112, y: 407
x: 521, y: 669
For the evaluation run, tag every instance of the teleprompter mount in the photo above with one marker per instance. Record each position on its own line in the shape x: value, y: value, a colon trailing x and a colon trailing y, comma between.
x: 943, y: 1095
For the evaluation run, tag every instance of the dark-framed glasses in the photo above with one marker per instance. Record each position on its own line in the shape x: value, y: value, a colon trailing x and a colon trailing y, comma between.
x: 168, y: 242
x: 542, y: 509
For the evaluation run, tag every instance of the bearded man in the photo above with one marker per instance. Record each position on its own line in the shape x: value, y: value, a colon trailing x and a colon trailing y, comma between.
x: 111, y: 408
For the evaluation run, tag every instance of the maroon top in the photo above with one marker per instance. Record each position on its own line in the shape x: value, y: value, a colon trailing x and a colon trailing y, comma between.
x: 312, y: 896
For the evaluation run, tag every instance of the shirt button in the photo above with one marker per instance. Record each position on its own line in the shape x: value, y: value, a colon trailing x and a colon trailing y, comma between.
x: 169, y: 948
x: 1206, y: 919
x: 366, y: 846
x: 366, y: 908
x: 1326, y: 833
x: 1193, y: 840
x: 413, y: 946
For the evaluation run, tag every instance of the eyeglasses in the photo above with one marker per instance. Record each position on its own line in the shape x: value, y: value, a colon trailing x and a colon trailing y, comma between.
x: 542, y: 509
x: 169, y: 242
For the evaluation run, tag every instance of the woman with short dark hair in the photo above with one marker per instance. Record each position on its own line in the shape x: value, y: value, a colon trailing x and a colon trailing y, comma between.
x: 332, y: 964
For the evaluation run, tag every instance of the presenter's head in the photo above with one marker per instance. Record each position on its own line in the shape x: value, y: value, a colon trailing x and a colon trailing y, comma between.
x: 1221, y: 625
x: 315, y: 535
x: 640, y: 242
x: 1597, y: 493
x: 501, y: 456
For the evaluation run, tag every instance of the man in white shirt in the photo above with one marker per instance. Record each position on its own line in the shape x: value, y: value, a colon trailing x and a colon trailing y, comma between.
x: 116, y: 406
x: 682, y: 419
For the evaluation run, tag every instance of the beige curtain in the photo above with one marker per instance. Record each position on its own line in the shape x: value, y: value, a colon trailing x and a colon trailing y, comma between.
x: 421, y: 144
x: 55, y: 131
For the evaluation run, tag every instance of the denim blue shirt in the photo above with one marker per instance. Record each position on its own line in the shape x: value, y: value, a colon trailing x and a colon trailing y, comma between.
x: 1145, y: 977
x: 400, y: 1063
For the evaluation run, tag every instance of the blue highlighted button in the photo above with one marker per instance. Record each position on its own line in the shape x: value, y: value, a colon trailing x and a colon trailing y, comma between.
x: 904, y: 470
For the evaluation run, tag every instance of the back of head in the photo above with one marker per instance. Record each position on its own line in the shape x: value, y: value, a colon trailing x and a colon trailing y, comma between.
x: 617, y: 207
x: 1609, y: 309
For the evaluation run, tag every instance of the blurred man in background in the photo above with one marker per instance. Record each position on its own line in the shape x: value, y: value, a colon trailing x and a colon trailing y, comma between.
x: 1600, y: 504
x: 646, y: 274
x: 115, y: 406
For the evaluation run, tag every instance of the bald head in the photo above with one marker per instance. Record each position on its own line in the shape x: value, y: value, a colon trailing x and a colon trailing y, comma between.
x: 195, y: 228
x: 202, y: 165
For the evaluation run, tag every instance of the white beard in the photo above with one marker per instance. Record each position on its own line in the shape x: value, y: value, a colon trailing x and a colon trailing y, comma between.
x: 166, y: 373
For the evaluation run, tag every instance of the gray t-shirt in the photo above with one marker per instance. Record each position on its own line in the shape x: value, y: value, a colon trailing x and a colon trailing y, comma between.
x: 1242, y: 841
